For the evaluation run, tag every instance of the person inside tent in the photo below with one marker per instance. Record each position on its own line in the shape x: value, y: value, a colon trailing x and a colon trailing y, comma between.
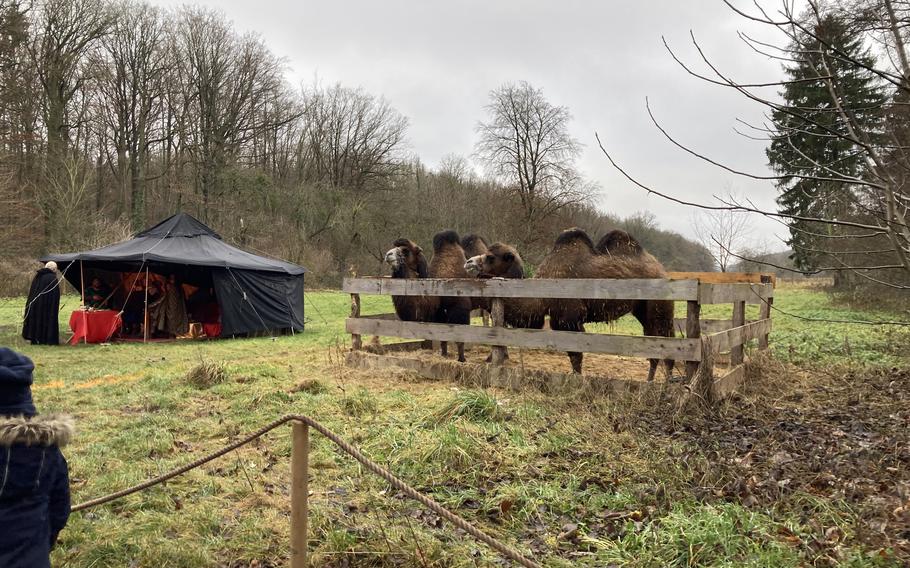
x: 34, y: 477
x: 97, y: 295
x: 133, y: 308
x: 40, y: 324
x: 172, y: 319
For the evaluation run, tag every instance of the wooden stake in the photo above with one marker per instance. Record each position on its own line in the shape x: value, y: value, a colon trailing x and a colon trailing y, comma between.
x: 300, y: 457
x: 765, y: 313
x: 739, y: 319
x: 82, y: 293
x: 693, y: 331
x: 499, y: 320
x: 145, y: 316
x: 356, y: 341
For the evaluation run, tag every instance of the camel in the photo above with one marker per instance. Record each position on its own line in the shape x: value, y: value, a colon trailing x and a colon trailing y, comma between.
x: 575, y: 256
x: 407, y: 261
x: 504, y: 261
x: 655, y: 316
x: 448, y: 262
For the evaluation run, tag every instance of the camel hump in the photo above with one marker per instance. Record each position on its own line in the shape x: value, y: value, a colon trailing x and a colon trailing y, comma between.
x: 474, y: 242
x: 505, y: 252
x: 618, y: 241
x: 574, y: 235
x: 444, y: 238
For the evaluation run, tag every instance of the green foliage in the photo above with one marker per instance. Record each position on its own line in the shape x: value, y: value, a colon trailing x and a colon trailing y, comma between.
x: 704, y: 535
x: 812, y: 140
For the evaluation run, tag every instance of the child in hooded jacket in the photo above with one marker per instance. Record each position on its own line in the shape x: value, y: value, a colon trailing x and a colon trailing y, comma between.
x: 34, y: 479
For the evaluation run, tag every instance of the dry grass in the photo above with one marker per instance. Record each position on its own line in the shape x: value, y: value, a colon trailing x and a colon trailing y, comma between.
x: 207, y: 374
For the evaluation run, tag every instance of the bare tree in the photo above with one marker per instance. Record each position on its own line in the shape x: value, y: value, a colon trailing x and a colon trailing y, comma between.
x: 131, y: 68
x: 723, y: 233
x: 227, y: 79
x: 351, y: 148
x: 525, y: 144
x: 66, y: 32
x: 878, y: 230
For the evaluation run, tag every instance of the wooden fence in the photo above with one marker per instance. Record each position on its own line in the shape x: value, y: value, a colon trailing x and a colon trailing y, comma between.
x: 695, y: 289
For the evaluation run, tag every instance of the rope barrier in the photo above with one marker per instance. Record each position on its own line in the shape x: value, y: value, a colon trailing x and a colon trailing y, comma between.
x: 372, y: 466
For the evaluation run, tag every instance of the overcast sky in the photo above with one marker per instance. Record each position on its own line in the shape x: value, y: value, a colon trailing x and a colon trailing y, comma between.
x: 437, y: 61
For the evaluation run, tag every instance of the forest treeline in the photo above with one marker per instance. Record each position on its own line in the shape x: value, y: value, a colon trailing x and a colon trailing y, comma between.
x: 114, y: 115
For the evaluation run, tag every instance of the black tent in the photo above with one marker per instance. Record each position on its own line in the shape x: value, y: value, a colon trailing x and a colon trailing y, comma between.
x: 254, y: 293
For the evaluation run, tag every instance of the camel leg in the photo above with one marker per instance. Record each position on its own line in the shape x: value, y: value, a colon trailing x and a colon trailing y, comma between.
x: 656, y: 318
x: 444, y: 348
x: 560, y: 324
x: 576, y: 358
x: 652, y: 370
x: 461, y: 358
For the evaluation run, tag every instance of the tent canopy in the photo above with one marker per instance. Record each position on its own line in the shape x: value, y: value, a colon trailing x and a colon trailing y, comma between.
x: 254, y: 292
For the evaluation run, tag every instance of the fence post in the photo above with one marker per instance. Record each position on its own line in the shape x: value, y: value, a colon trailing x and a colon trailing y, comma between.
x: 300, y: 457
x: 356, y: 342
x: 499, y: 320
x: 739, y: 320
x: 765, y: 313
x: 693, y: 331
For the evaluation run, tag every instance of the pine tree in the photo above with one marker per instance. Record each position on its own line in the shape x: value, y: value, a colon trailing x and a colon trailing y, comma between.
x: 803, y: 146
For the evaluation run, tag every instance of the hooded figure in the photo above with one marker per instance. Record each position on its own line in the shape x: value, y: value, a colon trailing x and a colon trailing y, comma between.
x: 41, y: 326
x: 34, y: 479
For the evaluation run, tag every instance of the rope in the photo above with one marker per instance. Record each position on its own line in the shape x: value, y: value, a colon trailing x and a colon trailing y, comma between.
x: 372, y: 466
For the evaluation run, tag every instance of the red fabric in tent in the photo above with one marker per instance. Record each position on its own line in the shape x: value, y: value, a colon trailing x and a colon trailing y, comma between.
x: 94, y: 326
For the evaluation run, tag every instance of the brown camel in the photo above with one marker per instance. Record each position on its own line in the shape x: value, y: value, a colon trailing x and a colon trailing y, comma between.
x: 655, y: 316
x: 575, y: 256
x: 448, y: 262
x: 407, y: 261
x: 503, y: 261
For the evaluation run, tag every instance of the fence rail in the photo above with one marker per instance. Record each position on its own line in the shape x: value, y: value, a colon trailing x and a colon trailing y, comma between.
x: 580, y: 288
x: 632, y: 345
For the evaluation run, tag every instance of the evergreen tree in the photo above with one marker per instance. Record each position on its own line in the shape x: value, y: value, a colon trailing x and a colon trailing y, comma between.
x: 803, y: 146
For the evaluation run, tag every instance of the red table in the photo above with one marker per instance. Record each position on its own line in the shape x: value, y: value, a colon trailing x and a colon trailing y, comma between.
x: 94, y: 326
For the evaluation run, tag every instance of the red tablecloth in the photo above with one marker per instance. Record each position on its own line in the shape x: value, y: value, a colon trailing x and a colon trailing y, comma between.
x: 211, y: 329
x: 96, y: 326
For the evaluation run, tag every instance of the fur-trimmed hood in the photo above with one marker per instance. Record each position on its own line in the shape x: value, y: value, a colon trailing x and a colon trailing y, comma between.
x: 39, y: 430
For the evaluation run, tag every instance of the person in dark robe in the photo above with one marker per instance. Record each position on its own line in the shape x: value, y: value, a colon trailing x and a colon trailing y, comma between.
x: 40, y: 325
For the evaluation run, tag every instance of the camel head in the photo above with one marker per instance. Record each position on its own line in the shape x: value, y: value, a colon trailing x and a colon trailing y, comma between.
x: 500, y: 261
x: 406, y: 260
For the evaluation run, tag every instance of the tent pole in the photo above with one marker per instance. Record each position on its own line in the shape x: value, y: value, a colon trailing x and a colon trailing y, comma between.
x: 82, y: 300
x: 145, y: 317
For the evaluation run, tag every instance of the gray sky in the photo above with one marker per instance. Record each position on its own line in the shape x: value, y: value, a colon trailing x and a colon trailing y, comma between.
x: 437, y: 61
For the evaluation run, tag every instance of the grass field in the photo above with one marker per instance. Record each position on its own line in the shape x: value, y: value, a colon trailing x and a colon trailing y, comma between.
x: 808, y: 467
